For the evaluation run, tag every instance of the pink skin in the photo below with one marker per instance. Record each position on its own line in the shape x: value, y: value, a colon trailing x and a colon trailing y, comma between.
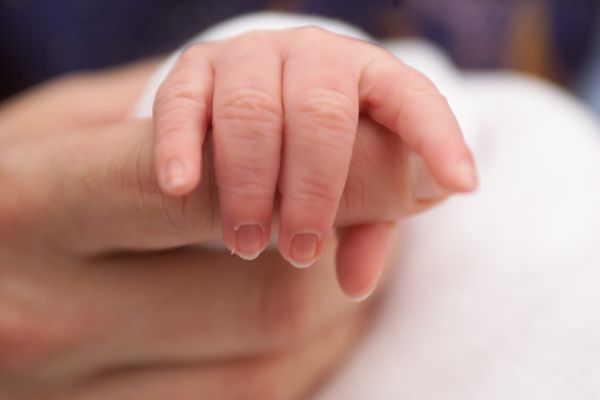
x: 284, y: 109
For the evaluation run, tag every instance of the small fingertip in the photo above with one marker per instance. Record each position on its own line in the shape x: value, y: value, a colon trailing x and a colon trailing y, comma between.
x: 466, y: 175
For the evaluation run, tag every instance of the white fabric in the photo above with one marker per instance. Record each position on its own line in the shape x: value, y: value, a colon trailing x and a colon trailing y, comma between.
x: 496, y: 295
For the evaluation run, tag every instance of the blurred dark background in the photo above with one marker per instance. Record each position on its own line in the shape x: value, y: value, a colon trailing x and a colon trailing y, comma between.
x: 554, y: 39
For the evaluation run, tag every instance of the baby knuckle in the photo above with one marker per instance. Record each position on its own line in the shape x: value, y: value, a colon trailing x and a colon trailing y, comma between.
x: 425, y: 92
x: 315, y: 191
x: 416, y: 98
x: 256, y: 200
x: 253, y: 145
x: 329, y: 109
x: 422, y: 88
x: 250, y: 105
x: 250, y: 40
x: 377, y: 56
x: 183, y: 89
x: 174, y: 97
x: 312, y: 33
x: 248, y: 183
x: 194, y: 52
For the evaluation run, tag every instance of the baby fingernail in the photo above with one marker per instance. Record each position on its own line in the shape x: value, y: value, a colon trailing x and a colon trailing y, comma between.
x: 248, y: 241
x: 466, y: 174
x: 173, y: 176
x: 364, y: 296
x: 424, y: 186
x: 304, y: 249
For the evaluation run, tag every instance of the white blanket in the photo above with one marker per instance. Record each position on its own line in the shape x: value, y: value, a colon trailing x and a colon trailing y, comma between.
x: 496, y: 295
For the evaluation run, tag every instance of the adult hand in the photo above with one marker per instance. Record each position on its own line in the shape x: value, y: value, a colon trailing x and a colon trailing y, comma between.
x: 103, y: 297
x: 77, y: 100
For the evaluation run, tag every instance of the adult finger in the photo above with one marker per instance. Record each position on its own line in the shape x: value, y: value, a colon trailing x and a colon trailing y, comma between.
x: 361, y: 257
x: 292, y: 374
x: 364, y: 246
x: 247, y: 129
x: 76, y: 100
x: 184, y: 306
x: 95, y: 191
x: 182, y: 109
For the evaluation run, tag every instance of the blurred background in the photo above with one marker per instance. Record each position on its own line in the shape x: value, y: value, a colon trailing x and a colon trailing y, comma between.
x: 555, y: 39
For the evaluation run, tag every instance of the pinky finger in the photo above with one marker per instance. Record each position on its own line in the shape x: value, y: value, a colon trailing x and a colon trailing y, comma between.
x: 361, y: 256
x: 182, y: 110
x: 408, y: 103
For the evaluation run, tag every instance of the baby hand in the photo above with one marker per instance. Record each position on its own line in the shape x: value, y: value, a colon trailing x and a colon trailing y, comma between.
x: 284, y: 107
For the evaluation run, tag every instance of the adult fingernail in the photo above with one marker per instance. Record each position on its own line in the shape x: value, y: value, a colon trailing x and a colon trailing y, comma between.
x: 423, y: 184
x: 173, y: 176
x: 304, y: 249
x: 465, y: 171
x: 248, y: 241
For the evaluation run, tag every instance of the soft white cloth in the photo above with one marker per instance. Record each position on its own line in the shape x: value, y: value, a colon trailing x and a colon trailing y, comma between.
x: 497, y: 294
